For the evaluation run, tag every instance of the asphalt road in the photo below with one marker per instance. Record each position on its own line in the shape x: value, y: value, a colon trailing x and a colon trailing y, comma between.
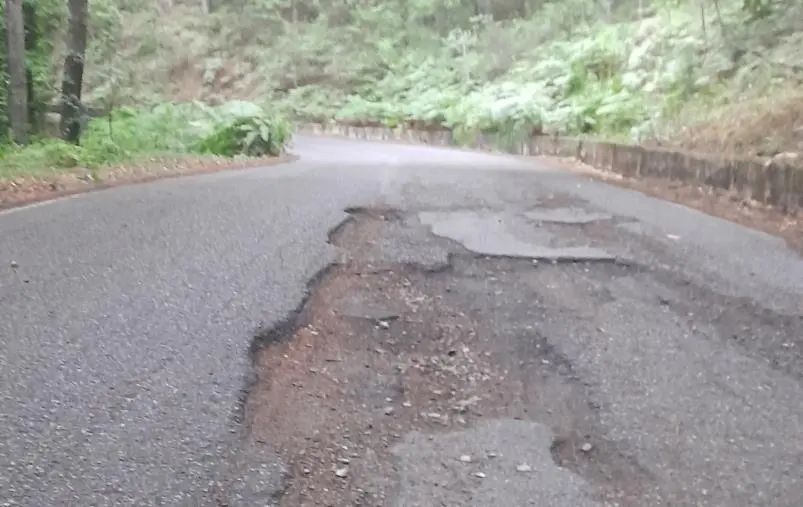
x: 126, y: 315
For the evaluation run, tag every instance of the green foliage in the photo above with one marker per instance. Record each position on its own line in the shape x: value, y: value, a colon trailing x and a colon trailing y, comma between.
x: 623, y: 69
x: 757, y: 8
x: 40, y: 157
x: 615, y: 69
x: 163, y: 130
x: 254, y: 136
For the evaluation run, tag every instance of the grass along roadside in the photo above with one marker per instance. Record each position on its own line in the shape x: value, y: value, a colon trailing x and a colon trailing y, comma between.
x: 133, y: 145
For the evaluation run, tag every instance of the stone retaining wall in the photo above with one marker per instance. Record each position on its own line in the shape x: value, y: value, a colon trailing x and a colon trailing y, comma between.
x: 776, y: 182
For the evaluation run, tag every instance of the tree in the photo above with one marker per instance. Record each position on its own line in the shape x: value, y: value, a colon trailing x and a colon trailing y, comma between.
x: 17, y: 74
x: 72, y: 111
x: 35, y: 109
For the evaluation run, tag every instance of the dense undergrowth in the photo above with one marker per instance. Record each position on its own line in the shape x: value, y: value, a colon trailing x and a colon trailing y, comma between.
x: 128, y: 134
x: 130, y: 130
x: 667, y: 71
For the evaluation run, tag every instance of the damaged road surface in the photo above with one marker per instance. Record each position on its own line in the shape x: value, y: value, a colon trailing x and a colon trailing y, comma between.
x: 530, y: 358
x: 389, y: 325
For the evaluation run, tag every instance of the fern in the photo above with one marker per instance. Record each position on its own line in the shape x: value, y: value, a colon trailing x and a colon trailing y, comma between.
x: 253, y: 135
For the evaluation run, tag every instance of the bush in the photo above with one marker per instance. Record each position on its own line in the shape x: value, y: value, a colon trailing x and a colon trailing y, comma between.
x: 253, y: 136
x: 41, y: 156
x: 234, y: 128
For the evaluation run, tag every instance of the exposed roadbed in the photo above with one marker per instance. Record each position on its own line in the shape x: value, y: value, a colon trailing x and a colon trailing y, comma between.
x: 463, y: 379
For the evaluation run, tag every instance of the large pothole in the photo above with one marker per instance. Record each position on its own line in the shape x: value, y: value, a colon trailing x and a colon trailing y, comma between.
x: 403, y: 351
x: 499, y: 234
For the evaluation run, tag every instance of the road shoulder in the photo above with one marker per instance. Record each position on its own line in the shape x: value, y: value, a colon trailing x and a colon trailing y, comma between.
x: 31, y: 190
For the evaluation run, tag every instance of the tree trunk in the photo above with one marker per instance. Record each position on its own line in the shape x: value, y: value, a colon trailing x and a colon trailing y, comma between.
x: 35, y: 106
x: 74, y: 73
x: 17, y: 78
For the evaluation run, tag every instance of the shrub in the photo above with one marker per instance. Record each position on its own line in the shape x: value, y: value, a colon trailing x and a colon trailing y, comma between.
x: 235, y: 128
x: 253, y: 136
x: 39, y: 157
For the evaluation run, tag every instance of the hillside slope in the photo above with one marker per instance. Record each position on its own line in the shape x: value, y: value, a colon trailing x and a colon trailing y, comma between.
x: 721, y: 78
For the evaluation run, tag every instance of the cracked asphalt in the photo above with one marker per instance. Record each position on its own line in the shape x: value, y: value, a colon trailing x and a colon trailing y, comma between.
x: 128, y: 315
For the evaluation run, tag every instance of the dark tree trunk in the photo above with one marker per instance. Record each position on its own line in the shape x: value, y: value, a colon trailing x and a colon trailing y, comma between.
x: 35, y: 111
x: 72, y: 110
x: 17, y: 79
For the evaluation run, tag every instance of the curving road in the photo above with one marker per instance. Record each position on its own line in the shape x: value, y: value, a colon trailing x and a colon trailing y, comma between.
x: 126, y: 317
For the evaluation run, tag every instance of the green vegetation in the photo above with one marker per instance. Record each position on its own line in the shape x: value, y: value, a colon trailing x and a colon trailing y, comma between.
x: 667, y: 71
x: 243, y: 128
x: 125, y: 131
x: 719, y: 76
x: 127, y: 134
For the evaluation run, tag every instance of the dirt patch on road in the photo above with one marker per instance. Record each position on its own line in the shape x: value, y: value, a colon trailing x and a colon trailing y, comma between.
x: 28, y: 190
x: 385, y: 350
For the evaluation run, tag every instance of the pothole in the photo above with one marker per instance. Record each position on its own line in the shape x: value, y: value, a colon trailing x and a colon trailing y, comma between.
x: 496, y: 455
x: 502, y: 235
x: 383, y: 348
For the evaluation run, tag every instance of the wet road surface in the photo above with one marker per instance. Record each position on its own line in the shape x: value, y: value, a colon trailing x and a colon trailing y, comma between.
x: 674, y: 340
